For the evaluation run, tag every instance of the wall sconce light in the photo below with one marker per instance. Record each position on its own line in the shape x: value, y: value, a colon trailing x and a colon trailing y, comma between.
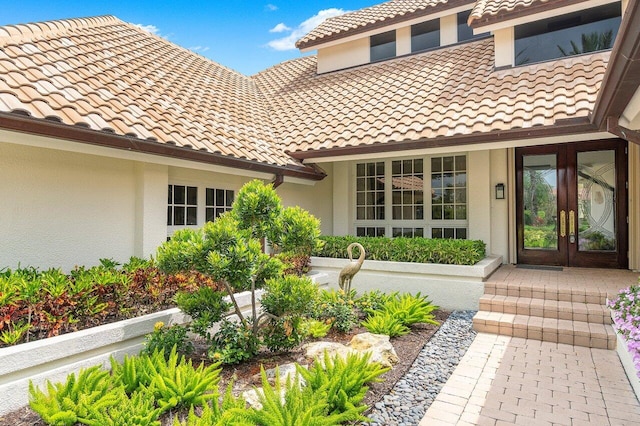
x: 500, y: 191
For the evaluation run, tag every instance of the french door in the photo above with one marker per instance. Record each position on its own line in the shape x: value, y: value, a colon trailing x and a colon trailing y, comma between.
x: 571, y: 204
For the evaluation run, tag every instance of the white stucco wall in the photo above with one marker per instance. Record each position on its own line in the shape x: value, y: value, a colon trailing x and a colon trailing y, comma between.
x: 63, y: 209
x: 343, y: 55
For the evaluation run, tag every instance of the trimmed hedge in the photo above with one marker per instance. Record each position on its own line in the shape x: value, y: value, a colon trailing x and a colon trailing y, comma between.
x: 419, y: 250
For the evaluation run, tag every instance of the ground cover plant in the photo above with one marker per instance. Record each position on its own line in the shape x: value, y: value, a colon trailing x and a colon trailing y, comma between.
x: 420, y: 250
x: 626, y: 320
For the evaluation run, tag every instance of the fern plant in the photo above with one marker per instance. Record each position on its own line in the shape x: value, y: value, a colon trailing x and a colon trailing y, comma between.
x: 65, y: 404
x: 385, y: 323
x: 139, y: 410
x: 227, y: 413
x: 176, y: 383
x: 301, y: 405
x: 411, y: 309
x: 132, y: 373
x: 342, y: 381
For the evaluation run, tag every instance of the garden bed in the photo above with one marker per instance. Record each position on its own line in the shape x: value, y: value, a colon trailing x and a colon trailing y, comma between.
x: 55, y: 357
x: 407, y: 348
x: 452, y: 287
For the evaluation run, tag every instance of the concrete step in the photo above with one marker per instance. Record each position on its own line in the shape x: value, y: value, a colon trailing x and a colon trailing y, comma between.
x: 578, y: 333
x: 558, y: 309
x: 548, y: 292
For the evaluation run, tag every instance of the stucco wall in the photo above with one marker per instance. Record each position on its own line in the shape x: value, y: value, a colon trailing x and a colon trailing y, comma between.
x: 64, y: 209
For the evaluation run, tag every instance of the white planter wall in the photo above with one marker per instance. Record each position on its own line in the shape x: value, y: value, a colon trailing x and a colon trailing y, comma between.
x: 451, y: 287
x: 54, y: 358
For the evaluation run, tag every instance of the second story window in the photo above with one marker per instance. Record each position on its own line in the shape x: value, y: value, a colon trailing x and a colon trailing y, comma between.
x: 425, y: 35
x: 464, y: 30
x: 383, y: 46
x: 588, y: 30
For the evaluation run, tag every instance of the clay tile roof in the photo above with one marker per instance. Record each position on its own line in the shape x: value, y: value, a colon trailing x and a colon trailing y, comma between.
x: 369, y: 18
x: 111, y: 76
x: 489, y: 11
x: 439, y: 94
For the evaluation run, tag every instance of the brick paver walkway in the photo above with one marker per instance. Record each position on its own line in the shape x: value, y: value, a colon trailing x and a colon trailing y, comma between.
x: 507, y: 380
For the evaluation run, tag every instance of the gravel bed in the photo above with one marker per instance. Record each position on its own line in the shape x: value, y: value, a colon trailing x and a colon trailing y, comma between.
x: 412, y: 395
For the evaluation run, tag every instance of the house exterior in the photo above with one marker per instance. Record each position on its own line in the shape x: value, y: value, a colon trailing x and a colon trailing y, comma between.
x: 510, y: 121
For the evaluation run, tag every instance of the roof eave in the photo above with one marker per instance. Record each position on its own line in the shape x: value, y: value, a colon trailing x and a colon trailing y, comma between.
x: 622, y: 78
x: 518, y: 12
x: 24, y: 124
x: 564, y: 127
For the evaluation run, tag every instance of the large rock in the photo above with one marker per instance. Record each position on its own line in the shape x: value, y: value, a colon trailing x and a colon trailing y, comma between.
x: 378, y: 345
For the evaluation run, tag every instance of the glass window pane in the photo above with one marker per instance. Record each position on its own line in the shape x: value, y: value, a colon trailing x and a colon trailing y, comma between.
x: 464, y: 30
x: 169, y: 215
x: 360, y: 170
x: 360, y: 213
x: 396, y: 167
x: 449, y: 233
x: 178, y: 216
x: 209, y: 196
x: 461, y: 162
x: 397, y: 212
x: 461, y: 196
x: 425, y: 35
x: 461, y: 233
x: 575, y: 33
x: 380, y: 168
x: 407, y: 167
x: 383, y: 46
x: 448, y: 212
x: 407, y: 213
x: 179, y: 196
x: 419, y: 212
x: 360, y: 184
x: 209, y: 215
x: 419, y: 232
x: 461, y: 212
x: 220, y: 198
x: 417, y: 166
x: 540, y: 182
x: 461, y: 179
x: 447, y: 164
x: 380, y: 232
x: 380, y: 211
x: 436, y: 212
x: 360, y: 232
x: 220, y: 211
x: 436, y: 232
x: 192, y: 195
x: 230, y: 198
x: 436, y: 164
x: 170, y: 194
x: 192, y: 215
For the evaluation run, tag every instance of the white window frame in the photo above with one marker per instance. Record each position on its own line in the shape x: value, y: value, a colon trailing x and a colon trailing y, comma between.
x: 388, y: 222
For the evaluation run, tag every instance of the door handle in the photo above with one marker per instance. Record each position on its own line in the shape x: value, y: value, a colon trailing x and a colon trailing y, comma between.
x: 572, y: 226
x: 563, y: 223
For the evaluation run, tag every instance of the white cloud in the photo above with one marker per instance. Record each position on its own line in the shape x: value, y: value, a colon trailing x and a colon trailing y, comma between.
x: 153, y: 30
x: 280, y: 28
x: 200, y: 49
x: 289, y: 42
x: 271, y: 7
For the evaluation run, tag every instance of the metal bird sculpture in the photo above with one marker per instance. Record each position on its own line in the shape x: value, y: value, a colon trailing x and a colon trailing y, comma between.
x: 347, y: 273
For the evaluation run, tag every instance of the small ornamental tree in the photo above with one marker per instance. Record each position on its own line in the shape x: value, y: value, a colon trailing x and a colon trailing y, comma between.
x: 230, y: 249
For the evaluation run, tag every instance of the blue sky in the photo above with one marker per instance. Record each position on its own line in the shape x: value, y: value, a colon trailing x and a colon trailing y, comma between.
x: 247, y: 36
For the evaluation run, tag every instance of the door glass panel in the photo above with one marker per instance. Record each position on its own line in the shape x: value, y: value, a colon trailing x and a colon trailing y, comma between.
x: 596, y: 207
x: 540, y: 183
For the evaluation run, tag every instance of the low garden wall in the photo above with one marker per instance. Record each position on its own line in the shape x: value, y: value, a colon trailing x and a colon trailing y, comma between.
x: 627, y: 362
x: 452, y: 287
x: 54, y: 358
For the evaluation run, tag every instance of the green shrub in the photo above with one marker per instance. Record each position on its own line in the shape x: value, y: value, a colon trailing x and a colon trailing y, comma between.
x: 420, y: 250
x: 164, y: 339
x: 205, y: 306
x: 337, y: 308
x: 233, y: 343
x: 289, y: 295
x: 385, y: 323
x: 298, y: 232
x: 257, y: 208
x: 282, y: 333
x: 314, y: 328
x: 373, y: 300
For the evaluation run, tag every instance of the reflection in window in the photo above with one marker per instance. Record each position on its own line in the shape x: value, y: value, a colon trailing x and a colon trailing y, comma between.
x: 182, y: 207
x: 425, y: 35
x: 449, y: 188
x: 370, y: 191
x: 464, y: 30
x: 218, y: 201
x: 383, y: 46
x: 408, y: 190
x: 575, y: 33
x: 408, y: 232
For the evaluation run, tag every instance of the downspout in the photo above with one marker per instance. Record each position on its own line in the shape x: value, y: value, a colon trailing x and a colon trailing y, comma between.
x: 277, y: 180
